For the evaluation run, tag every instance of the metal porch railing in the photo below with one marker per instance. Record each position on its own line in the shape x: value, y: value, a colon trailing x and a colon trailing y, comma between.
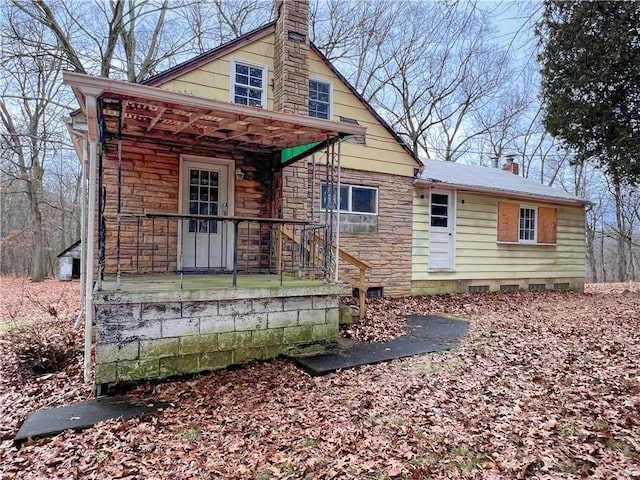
x: 155, y: 243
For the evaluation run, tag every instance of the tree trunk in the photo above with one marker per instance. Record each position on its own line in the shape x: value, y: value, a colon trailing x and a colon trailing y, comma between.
x: 620, y: 230
x: 591, y: 258
x: 38, y: 268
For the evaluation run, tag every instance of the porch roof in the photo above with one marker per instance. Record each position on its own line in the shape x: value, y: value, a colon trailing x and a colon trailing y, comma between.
x: 135, y: 110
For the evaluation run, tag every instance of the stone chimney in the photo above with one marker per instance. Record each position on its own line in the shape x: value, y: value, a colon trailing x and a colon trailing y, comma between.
x: 291, y: 95
x: 291, y: 57
x: 510, y: 165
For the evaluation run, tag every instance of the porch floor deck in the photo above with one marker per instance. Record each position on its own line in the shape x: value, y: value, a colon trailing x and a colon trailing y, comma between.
x: 158, y: 283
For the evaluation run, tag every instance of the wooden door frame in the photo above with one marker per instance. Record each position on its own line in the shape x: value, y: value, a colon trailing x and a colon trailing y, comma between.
x: 452, y: 219
x: 187, y: 160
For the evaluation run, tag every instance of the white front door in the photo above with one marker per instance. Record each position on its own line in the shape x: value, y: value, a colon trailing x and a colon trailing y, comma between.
x: 442, y: 221
x: 205, y: 186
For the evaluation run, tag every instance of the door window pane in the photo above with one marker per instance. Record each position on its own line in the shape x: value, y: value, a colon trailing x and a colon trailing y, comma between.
x: 439, y: 210
x: 203, y: 199
x: 439, y: 199
x: 438, y: 221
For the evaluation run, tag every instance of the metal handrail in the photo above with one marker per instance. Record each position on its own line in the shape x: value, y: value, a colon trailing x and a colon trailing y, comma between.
x: 166, y: 232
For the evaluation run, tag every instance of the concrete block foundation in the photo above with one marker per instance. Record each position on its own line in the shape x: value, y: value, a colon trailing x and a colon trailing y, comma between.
x: 141, y: 337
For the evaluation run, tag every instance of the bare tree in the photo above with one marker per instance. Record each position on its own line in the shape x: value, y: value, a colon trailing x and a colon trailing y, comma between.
x: 207, y: 24
x: 31, y: 103
x: 122, y: 38
x: 436, y: 74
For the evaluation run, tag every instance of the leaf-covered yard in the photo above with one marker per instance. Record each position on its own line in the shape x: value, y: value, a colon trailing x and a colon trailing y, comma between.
x: 545, y: 385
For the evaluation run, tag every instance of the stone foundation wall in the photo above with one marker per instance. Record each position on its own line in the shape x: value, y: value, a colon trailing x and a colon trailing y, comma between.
x: 144, y: 340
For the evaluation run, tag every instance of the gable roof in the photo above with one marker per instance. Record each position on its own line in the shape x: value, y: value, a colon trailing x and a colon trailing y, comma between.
x: 69, y: 248
x: 490, y: 180
x: 208, y: 56
x: 366, y: 104
x: 250, y: 37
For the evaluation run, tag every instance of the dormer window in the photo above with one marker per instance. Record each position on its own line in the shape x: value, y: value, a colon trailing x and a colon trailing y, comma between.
x: 248, y: 84
x: 320, y: 99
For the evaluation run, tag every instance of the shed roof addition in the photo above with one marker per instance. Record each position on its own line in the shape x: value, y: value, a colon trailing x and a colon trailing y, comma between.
x: 490, y: 180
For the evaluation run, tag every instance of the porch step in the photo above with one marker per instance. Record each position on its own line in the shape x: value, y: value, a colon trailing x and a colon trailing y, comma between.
x: 347, y: 314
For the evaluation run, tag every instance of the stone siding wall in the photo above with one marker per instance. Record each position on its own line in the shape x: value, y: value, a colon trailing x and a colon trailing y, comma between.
x: 150, y: 183
x: 384, y: 241
x: 145, y: 340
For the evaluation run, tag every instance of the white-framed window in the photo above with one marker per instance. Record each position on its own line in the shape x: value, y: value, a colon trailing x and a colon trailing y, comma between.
x: 320, y: 94
x: 248, y: 83
x: 353, y: 199
x: 527, y: 224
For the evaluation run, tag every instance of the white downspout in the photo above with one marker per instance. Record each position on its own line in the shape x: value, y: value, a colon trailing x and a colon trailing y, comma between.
x: 91, y: 231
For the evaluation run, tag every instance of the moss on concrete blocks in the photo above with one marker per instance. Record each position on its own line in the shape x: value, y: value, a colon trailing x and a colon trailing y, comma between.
x: 160, y: 347
x: 267, y: 338
x: 106, y: 373
x: 215, y: 360
x: 324, y: 332
x: 178, y: 365
x: 244, y: 355
x: 234, y: 340
x: 137, y: 369
x: 114, y: 352
x: 143, y: 341
x: 299, y: 334
x: 199, y: 344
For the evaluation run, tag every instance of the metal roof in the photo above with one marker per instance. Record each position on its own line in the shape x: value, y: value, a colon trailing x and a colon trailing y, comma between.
x: 490, y: 180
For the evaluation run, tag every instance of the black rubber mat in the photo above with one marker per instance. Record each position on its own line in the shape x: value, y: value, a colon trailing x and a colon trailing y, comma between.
x: 425, y: 333
x: 79, y: 416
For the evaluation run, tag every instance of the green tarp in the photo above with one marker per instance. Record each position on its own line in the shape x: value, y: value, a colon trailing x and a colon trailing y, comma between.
x: 290, y: 155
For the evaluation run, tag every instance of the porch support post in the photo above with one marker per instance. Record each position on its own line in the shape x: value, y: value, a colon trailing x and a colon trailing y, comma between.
x: 235, y: 253
x: 90, y: 216
x: 83, y: 222
x: 337, y: 157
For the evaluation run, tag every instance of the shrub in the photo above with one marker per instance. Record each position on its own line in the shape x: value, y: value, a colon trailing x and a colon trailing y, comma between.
x: 42, y: 347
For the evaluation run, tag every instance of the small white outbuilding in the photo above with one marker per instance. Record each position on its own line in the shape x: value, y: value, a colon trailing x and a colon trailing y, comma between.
x: 69, y: 262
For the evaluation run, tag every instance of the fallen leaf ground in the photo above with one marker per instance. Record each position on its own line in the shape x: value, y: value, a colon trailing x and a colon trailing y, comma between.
x: 545, y: 385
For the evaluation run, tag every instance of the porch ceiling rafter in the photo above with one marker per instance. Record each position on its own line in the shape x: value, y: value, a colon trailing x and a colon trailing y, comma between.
x: 178, y: 118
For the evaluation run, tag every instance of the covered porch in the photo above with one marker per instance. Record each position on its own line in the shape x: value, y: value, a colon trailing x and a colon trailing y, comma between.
x: 199, y: 247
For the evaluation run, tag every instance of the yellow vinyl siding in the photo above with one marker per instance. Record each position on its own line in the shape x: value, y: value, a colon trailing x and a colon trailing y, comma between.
x: 479, y: 256
x: 212, y: 80
x: 381, y: 154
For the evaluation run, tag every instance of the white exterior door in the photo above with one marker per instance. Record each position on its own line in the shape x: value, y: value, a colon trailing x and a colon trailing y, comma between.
x: 442, y: 220
x: 205, y: 187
